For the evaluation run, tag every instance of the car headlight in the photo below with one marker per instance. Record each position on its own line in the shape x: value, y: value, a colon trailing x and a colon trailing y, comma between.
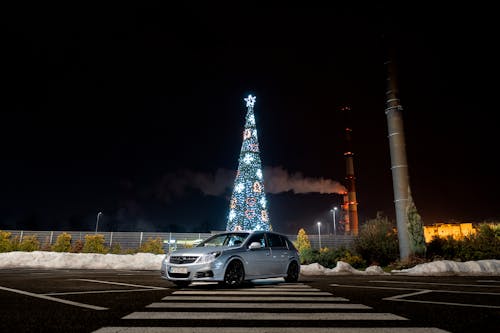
x: 209, y: 257
x: 167, y: 258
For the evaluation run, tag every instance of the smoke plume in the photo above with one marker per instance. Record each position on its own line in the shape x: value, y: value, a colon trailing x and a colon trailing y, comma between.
x: 276, y: 180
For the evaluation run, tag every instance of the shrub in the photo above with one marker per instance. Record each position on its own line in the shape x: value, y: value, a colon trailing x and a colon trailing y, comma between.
x: 63, y: 243
x: 152, y: 246
x: 5, y: 241
x: 377, y: 242
x: 116, y: 248
x: 308, y: 256
x: 29, y: 244
x: 94, y: 244
x: 302, y: 243
x: 77, y: 246
x: 353, y: 260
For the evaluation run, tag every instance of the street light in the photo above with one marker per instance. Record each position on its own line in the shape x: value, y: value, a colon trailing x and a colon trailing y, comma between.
x: 97, y: 222
x: 319, y: 235
x: 334, y: 210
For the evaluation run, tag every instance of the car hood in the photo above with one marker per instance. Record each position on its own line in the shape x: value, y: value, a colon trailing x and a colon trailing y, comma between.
x: 201, y: 250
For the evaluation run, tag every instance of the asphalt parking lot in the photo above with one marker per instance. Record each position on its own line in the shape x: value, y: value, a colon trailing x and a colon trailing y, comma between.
x: 108, y: 300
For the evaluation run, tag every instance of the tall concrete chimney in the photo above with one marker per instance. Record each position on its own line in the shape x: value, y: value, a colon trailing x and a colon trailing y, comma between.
x: 399, y: 165
x: 350, y: 180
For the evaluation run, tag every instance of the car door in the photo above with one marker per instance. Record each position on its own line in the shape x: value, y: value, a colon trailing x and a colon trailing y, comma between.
x: 279, y: 253
x: 259, y: 260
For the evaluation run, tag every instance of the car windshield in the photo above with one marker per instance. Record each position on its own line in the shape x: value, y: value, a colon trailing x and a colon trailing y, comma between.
x: 229, y: 239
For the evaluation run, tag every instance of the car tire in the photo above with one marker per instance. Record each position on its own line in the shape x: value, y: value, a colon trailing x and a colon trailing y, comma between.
x: 235, y: 274
x: 181, y: 284
x: 292, y: 274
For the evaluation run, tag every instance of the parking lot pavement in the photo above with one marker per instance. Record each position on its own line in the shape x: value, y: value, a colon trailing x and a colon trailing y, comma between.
x: 88, y: 301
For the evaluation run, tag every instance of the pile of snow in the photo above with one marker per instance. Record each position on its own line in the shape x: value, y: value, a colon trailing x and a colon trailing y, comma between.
x: 43, y: 259
x: 342, y: 268
x: 447, y: 267
x: 149, y: 261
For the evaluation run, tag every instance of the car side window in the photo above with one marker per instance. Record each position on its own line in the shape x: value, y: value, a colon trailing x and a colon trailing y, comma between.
x: 275, y: 241
x: 257, y: 238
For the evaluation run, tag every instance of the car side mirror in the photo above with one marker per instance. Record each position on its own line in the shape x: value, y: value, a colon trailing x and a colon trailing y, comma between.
x: 254, y: 245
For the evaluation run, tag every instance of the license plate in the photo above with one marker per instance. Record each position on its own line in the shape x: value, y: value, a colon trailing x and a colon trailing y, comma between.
x: 180, y: 270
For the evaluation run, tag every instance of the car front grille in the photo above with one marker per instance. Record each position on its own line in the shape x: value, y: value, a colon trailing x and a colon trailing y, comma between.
x: 182, y: 259
x: 179, y: 275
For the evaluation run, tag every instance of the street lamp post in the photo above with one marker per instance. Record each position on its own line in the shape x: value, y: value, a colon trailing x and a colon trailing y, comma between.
x: 334, y: 210
x: 319, y: 235
x: 97, y: 222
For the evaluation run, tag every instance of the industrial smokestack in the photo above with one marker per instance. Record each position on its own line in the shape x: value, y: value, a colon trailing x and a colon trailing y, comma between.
x: 399, y: 165
x: 352, y: 204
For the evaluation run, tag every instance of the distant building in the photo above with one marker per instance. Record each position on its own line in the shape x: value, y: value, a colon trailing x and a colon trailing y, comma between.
x: 444, y: 230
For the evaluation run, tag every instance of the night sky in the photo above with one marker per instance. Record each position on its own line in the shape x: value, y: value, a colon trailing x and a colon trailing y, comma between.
x: 137, y: 112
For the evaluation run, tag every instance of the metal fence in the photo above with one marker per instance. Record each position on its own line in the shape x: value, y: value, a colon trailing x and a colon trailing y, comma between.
x: 171, y: 240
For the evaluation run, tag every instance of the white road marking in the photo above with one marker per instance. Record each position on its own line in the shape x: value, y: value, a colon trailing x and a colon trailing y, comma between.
x: 442, y: 303
x: 53, y: 299
x: 269, y: 330
x: 255, y: 298
x: 120, y: 284
x: 316, y: 306
x: 437, y: 284
x: 101, y: 291
x: 393, y: 298
x: 264, y: 290
x: 433, y: 290
x: 247, y: 292
x: 263, y: 316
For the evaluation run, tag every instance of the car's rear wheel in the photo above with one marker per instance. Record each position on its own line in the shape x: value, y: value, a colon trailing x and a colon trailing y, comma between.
x: 292, y: 274
x: 235, y: 274
x: 181, y: 284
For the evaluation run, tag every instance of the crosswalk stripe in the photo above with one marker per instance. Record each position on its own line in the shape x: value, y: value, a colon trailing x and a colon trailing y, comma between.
x: 255, y: 298
x: 263, y: 316
x: 311, y: 306
x: 246, y: 292
x: 219, y: 329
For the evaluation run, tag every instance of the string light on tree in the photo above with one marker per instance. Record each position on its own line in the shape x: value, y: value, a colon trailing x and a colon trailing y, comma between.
x: 248, y: 202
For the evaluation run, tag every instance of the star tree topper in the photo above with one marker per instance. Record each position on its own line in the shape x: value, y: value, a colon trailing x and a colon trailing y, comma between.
x: 250, y: 100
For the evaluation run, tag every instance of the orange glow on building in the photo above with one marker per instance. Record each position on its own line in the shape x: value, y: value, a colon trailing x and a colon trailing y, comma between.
x: 444, y: 230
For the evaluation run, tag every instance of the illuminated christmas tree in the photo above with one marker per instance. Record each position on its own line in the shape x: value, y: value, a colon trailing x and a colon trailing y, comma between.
x: 248, y: 205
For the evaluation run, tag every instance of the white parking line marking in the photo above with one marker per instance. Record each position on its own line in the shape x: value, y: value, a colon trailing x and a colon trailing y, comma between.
x: 247, y: 292
x: 393, y: 298
x: 269, y: 330
x: 119, y: 284
x: 433, y: 290
x: 53, y: 299
x: 264, y: 316
x: 442, y: 303
x: 437, y: 284
x: 316, y: 306
x: 264, y: 290
x: 101, y: 291
x: 255, y: 298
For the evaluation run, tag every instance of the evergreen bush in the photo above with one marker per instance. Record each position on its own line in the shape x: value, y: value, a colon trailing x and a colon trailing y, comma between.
x: 29, y: 244
x: 5, y: 242
x: 152, y: 246
x: 377, y: 242
x: 63, y: 243
x: 94, y: 244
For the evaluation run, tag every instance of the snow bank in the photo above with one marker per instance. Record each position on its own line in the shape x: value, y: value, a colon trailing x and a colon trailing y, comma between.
x: 342, y: 268
x: 447, y: 267
x: 42, y: 259
x: 149, y: 261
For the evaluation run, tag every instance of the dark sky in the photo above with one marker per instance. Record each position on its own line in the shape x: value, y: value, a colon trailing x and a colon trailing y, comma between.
x: 118, y: 109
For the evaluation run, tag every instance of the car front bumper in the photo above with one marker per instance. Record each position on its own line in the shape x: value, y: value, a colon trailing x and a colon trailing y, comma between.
x: 213, y: 271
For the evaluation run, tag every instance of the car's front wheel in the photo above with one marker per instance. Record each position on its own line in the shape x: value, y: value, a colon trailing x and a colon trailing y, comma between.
x: 235, y: 274
x: 292, y: 274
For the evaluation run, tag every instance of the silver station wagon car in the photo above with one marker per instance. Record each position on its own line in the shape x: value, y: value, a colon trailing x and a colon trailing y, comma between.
x: 234, y: 257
